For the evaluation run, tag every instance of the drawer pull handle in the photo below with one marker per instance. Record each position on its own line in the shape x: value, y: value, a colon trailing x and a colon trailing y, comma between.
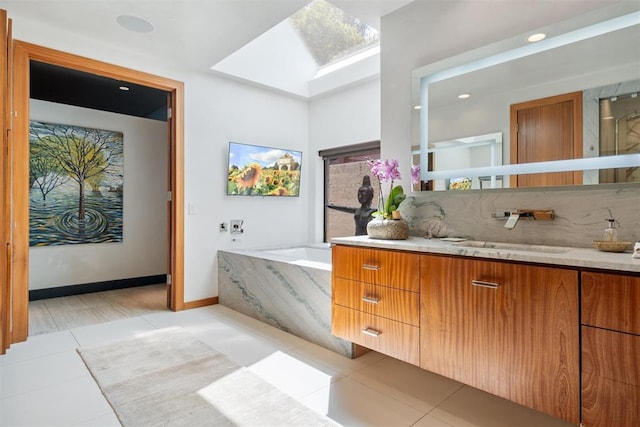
x: 371, y: 332
x: 372, y: 300
x: 482, y: 284
x: 370, y: 267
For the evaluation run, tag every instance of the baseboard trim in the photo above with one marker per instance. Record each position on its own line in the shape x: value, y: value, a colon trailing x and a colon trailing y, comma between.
x: 109, y: 285
x: 200, y: 303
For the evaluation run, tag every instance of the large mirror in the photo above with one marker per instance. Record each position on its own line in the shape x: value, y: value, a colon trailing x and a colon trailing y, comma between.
x: 596, y: 56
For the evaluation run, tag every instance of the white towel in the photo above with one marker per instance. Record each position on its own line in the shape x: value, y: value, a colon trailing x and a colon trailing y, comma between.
x: 636, y: 251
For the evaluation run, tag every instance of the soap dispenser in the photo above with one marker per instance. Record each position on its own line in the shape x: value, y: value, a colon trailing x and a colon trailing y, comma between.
x: 610, y: 233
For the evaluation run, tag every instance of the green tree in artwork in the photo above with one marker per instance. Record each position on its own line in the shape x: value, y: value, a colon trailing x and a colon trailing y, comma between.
x: 45, y: 171
x: 84, y: 155
x: 328, y: 32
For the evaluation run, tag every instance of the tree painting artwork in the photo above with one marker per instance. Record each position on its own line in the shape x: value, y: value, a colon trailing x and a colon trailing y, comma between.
x: 76, y: 185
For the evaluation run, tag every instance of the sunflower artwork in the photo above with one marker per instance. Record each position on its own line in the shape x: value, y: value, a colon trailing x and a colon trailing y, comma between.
x: 263, y: 171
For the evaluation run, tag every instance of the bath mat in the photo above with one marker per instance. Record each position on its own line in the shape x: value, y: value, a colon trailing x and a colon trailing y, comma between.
x: 168, y: 377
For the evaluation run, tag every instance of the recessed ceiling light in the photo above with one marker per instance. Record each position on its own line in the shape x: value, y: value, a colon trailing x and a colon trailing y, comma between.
x: 464, y: 96
x: 134, y: 23
x: 124, y: 88
x: 536, y: 37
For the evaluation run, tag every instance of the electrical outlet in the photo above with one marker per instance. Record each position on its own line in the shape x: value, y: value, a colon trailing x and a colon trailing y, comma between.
x: 223, y: 226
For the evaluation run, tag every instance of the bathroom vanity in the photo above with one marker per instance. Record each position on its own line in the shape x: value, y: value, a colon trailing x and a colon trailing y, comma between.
x: 504, y: 319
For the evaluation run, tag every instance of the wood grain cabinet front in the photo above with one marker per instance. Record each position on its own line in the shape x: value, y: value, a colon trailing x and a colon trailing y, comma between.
x: 394, y: 269
x: 610, y: 349
x: 508, y: 329
x: 375, y: 300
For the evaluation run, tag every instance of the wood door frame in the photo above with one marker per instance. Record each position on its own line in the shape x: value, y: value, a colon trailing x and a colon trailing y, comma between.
x: 576, y: 98
x: 5, y: 191
x: 24, y: 53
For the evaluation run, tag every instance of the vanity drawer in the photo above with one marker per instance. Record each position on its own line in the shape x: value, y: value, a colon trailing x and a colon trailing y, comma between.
x: 395, y: 304
x: 611, y: 301
x: 394, y: 269
x: 612, y: 355
x: 610, y: 378
x: 395, y: 339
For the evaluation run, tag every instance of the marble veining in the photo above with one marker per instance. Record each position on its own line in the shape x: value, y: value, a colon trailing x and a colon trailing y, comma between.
x: 580, y: 214
x: 280, y: 292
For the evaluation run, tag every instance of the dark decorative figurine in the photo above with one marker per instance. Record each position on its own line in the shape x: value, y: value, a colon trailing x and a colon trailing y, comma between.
x: 363, y: 214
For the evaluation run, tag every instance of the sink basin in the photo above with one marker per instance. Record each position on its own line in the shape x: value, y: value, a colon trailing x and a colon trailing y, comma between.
x: 512, y: 247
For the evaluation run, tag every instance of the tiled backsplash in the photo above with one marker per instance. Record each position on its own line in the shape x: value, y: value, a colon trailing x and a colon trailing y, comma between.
x: 580, y: 214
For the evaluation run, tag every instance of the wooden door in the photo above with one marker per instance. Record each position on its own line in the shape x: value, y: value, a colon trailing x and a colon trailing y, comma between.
x: 543, y: 130
x: 5, y: 174
x: 538, y: 336
x: 457, y: 321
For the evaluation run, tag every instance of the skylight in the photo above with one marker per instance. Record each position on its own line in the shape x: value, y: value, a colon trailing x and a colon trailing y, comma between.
x: 330, y: 34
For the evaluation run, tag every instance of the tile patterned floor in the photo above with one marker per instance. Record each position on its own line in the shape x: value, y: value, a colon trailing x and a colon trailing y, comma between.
x: 43, y: 381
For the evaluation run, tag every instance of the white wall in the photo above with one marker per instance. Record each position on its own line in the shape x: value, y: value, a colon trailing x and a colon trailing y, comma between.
x: 347, y: 117
x: 217, y: 111
x: 143, y: 249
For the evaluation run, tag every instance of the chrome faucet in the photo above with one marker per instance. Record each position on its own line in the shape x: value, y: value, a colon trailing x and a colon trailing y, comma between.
x: 515, y: 215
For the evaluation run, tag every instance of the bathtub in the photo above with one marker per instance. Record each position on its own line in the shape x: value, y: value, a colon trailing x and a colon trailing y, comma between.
x: 289, y: 288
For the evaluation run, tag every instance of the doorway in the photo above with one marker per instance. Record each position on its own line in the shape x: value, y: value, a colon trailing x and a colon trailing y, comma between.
x: 24, y: 53
x: 544, y: 130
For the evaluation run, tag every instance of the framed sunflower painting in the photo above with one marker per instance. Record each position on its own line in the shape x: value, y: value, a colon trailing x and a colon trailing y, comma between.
x: 263, y: 171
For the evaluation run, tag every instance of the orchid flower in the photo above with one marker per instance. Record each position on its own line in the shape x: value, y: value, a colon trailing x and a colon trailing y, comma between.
x: 387, y: 170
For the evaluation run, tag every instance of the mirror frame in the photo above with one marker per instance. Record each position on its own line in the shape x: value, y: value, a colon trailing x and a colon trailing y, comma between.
x: 501, y: 52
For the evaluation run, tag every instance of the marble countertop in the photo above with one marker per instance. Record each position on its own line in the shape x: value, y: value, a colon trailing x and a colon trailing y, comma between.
x: 552, y: 255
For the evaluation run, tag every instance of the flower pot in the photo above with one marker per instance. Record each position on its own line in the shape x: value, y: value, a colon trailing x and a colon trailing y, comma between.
x: 388, y: 229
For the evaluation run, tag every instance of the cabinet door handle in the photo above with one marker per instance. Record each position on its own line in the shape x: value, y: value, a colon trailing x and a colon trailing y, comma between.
x: 371, y: 332
x: 372, y: 300
x: 370, y: 267
x: 482, y: 284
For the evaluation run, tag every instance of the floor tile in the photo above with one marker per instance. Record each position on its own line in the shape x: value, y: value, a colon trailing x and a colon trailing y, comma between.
x: 470, y: 407
x: 106, y: 420
x: 195, y: 319
x: 243, y: 348
x: 88, y: 316
x: 42, y: 372
x: 283, y: 339
x: 291, y: 375
x: 408, y: 383
x: 335, y: 361
x: 351, y: 403
x: 39, y: 346
x: 237, y: 318
x: 40, y: 320
x: 68, y: 403
x: 93, y: 335
x: 429, y: 421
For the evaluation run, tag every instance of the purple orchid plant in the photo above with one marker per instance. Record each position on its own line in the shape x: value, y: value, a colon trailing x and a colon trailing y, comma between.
x: 387, y: 171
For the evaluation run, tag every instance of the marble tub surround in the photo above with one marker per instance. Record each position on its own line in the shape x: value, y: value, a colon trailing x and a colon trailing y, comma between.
x: 291, y: 294
x: 580, y: 214
x: 539, y: 254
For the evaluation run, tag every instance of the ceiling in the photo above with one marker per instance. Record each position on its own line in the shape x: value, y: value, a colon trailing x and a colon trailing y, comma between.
x: 194, y: 34
x: 72, y: 87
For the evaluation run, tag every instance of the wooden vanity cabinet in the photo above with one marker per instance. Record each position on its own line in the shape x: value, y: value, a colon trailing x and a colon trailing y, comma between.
x: 610, y: 350
x: 508, y: 329
x: 375, y: 300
